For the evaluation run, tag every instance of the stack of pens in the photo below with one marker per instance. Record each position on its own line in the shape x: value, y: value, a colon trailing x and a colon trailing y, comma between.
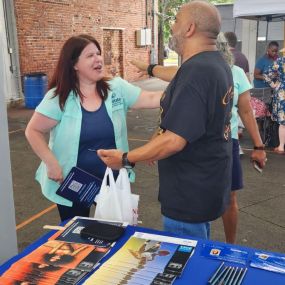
x: 228, y: 275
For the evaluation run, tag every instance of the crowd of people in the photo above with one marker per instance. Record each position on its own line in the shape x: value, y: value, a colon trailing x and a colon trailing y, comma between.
x: 196, y: 143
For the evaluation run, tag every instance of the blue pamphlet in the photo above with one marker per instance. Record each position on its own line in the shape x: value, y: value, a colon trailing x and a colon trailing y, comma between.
x: 270, y: 262
x: 80, y: 187
x: 224, y: 252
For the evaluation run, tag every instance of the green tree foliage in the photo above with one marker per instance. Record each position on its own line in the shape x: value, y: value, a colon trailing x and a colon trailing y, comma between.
x: 167, y: 12
x: 169, y: 8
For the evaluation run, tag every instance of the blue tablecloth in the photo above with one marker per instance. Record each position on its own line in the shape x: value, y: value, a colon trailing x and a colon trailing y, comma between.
x: 198, y: 270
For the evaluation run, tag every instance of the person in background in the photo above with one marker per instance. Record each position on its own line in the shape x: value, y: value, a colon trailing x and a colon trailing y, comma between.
x: 275, y: 77
x: 82, y: 112
x: 193, y: 142
x: 241, y: 106
x: 264, y: 63
x: 240, y: 59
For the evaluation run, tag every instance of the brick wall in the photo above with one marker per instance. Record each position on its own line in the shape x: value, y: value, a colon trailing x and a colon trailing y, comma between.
x: 43, y: 26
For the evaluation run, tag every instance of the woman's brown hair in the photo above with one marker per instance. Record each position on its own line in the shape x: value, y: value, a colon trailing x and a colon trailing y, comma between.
x: 64, y: 78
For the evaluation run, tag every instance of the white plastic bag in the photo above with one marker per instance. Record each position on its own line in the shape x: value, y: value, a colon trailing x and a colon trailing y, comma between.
x: 108, y: 200
x: 116, y: 201
x: 129, y: 201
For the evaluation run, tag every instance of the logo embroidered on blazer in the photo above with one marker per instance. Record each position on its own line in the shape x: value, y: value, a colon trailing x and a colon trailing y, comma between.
x: 116, y: 101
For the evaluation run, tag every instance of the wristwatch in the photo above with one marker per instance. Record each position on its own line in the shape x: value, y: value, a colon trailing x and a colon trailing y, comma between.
x: 126, y: 163
x: 259, y: 147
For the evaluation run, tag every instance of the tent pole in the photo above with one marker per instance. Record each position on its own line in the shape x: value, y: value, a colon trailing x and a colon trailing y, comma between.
x: 256, y: 48
x: 266, y: 35
x: 284, y: 40
x: 235, y: 25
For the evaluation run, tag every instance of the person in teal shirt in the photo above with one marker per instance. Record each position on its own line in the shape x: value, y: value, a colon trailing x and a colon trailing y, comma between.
x: 82, y: 111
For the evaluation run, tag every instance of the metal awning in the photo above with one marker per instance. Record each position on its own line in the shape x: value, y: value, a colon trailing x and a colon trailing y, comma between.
x: 260, y: 10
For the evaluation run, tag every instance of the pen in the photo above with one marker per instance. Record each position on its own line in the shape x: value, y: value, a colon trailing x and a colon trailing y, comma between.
x: 229, y: 276
x: 216, y: 272
x: 237, y: 277
x: 221, y: 281
x: 233, y: 276
x: 219, y: 276
x: 242, y: 277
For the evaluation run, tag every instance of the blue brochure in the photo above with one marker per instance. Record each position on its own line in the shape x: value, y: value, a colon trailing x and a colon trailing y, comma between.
x: 225, y: 253
x: 271, y: 262
x: 80, y: 187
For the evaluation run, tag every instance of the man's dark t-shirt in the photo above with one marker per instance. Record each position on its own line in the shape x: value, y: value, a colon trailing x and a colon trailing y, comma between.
x: 195, y: 182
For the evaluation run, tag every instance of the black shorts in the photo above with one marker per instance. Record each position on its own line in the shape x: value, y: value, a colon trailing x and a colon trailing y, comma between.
x: 237, y: 181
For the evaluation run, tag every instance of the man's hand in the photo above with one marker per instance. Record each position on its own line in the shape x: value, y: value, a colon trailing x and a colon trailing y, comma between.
x: 260, y: 157
x: 112, y: 158
x: 141, y: 67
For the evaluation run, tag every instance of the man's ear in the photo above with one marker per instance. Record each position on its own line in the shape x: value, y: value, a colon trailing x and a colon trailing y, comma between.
x: 191, y: 30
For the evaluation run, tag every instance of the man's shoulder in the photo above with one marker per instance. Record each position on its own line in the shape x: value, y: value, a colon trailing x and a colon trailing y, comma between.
x: 204, y: 60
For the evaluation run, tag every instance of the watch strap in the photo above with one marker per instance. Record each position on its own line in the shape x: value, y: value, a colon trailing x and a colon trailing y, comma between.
x: 125, y: 162
x: 259, y: 147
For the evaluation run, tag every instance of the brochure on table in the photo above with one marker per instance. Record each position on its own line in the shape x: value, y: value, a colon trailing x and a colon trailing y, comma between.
x: 65, y: 258
x: 146, y: 259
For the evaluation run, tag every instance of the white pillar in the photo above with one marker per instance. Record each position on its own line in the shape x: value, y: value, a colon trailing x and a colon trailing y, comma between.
x: 8, y: 238
x: 154, y: 48
x: 249, y: 30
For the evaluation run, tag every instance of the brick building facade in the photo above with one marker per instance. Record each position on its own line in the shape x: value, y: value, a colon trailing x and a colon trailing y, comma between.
x: 43, y: 26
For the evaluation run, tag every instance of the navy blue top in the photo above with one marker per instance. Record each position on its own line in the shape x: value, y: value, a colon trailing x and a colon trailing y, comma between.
x: 97, y: 132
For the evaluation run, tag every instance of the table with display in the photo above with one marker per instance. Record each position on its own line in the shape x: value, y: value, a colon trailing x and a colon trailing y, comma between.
x: 198, y: 270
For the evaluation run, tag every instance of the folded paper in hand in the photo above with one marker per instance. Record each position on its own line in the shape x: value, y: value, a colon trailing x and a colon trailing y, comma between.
x: 80, y: 187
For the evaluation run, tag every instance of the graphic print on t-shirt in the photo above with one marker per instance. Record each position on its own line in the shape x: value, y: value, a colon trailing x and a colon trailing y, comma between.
x: 227, y: 99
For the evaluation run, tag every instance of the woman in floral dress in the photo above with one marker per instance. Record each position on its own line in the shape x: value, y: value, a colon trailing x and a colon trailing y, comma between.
x: 275, y: 76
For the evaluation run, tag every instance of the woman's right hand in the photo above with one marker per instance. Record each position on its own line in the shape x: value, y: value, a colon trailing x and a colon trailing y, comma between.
x: 54, y: 172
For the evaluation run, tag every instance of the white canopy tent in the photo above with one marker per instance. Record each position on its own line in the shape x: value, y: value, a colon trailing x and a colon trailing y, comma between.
x: 257, y: 10
x: 260, y: 10
x: 263, y: 10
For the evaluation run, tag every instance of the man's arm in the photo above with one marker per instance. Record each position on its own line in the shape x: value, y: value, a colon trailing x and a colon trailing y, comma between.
x: 257, y: 74
x: 249, y: 121
x: 148, y: 100
x: 158, y: 148
x: 165, y: 73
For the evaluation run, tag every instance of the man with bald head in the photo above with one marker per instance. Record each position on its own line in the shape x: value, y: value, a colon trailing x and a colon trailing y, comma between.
x: 193, y: 145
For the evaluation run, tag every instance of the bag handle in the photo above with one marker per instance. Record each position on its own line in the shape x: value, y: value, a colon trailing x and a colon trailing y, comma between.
x: 123, y: 180
x: 108, y: 173
x: 111, y: 178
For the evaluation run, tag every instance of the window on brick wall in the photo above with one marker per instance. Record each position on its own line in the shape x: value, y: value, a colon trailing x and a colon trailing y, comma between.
x: 113, y: 52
